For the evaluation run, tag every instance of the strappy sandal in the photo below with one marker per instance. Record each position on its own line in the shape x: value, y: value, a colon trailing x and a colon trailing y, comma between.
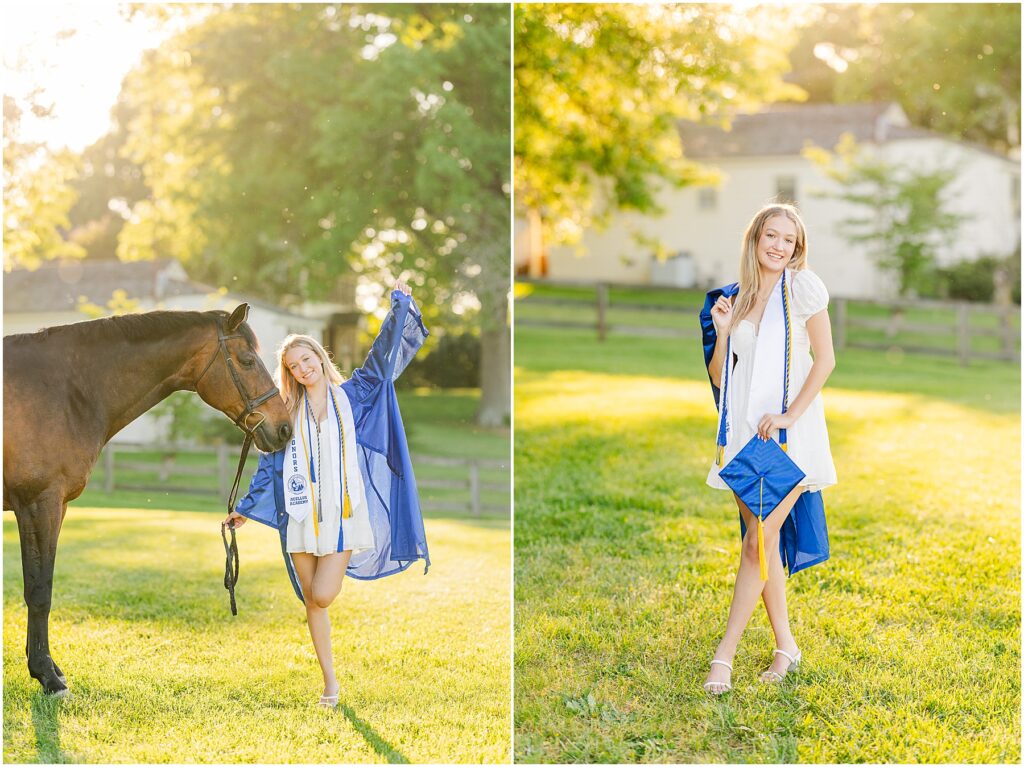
x: 774, y: 676
x: 726, y: 686
x: 328, y: 701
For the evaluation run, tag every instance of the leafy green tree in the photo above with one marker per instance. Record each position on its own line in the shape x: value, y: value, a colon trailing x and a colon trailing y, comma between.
x: 107, y: 187
x: 599, y: 89
x: 289, y: 145
x: 953, y: 67
x: 903, y: 220
x: 37, y: 192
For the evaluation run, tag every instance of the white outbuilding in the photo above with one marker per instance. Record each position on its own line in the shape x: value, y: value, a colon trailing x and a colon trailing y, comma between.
x: 761, y: 160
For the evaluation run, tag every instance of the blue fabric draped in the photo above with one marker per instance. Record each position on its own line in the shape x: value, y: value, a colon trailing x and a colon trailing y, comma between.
x: 383, y: 454
x: 803, y: 539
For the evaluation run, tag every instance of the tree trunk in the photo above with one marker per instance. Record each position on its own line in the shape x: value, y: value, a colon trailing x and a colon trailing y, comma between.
x: 495, y: 362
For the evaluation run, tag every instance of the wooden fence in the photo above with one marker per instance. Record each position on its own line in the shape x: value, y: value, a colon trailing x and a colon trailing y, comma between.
x: 471, y: 485
x: 951, y: 328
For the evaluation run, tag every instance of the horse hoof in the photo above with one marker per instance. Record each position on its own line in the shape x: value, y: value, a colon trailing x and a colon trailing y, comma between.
x: 55, y: 687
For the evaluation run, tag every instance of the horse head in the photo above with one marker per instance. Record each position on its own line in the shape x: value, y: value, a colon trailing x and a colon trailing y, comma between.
x: 236, y: 382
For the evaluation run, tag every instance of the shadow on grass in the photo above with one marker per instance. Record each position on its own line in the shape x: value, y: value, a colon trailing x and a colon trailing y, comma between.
x: 45, y: 713
x: 375, y: 741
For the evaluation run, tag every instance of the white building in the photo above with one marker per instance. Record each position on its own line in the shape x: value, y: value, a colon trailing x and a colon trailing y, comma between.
x: 51, y: 295
x: 760, y: 160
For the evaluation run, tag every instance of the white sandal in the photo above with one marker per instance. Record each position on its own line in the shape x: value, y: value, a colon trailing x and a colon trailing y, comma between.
x: 725, y: 685
x: 774, y: 676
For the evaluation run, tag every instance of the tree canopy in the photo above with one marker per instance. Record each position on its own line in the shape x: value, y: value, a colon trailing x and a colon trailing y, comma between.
x: 953, y: 67
x: 286, y: 146
x: 599, y: 88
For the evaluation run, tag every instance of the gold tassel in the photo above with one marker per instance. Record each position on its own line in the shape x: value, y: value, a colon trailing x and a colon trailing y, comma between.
x: 719, y: 454
x: 762, y: 560
x: 346, y: 506
x: 785, y: 447
x: 316, y: 527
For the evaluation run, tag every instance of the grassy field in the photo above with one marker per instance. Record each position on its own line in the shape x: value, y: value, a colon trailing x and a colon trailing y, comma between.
x: 625, y: 560
x: 160, y: 671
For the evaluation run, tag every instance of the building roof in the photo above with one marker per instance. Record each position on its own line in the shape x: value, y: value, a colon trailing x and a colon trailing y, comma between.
x: 786, y: 129
x: 57, y: 285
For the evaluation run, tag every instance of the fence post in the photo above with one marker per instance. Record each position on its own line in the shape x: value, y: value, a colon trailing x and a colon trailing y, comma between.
x: 1009, y: 337
x: 474, y: 488
x: 108, y: 468
x: 602, y: 311
x: 963, y: 332
x: 222, y: 472
x: 839, y: 333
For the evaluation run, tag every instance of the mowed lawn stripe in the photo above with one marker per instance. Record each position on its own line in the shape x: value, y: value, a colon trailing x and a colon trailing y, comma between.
x: 625, y: 562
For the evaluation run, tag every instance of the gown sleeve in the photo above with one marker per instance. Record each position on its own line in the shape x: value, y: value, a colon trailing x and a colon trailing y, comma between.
x: 810, y: 295
x: 401, y: 335
x: 259, y: 502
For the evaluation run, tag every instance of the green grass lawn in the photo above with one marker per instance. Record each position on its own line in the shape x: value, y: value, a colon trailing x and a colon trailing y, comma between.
x: 625, y: 560
x: 160, y: 671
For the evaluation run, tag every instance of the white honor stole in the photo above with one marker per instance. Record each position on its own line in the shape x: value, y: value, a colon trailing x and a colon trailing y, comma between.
x: 299, y: 473
x: 768, y: 376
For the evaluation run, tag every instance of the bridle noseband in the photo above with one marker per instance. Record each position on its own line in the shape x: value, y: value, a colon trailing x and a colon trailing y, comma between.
x: 242, y: 421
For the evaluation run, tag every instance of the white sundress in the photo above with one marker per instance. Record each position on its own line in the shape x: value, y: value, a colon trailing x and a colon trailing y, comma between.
x: 807, y: 439
x: 302, y: 536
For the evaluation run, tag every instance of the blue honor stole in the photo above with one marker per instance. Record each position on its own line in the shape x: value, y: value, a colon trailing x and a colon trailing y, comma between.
x: 723, y: 426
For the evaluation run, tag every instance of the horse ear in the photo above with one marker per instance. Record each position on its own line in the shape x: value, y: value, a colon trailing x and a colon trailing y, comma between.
x: 238, y: 316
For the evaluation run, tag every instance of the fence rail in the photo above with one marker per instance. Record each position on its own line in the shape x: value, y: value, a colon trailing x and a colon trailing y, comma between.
x: 952, y: 328
x: 473, y: 485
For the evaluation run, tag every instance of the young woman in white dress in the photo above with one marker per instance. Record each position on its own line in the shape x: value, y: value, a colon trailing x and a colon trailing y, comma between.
x: 306, y: 377
x: 774, y: 243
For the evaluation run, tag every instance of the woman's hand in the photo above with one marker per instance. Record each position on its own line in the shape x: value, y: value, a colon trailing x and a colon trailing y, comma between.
x: 772, y: 422
x: 235, y: 520
x: 721, y: 315
x: 399, y: 285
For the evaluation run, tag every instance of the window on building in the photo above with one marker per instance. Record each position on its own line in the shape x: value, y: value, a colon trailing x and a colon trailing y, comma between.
x: 785, y: 189
x: 707, y: 198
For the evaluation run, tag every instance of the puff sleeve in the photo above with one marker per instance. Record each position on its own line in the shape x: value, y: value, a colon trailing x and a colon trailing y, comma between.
x: 810, y: 295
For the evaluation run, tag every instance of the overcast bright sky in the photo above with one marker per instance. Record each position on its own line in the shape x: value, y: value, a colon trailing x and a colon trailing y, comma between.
x: 78, y: 53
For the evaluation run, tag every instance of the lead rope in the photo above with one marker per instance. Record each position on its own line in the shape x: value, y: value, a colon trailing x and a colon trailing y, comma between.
x: 231, y: 566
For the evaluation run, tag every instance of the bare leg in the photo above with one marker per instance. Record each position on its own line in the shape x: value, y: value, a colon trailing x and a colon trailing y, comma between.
x: 774, y: 598
x: 321, y: 579
x: 749, y: 585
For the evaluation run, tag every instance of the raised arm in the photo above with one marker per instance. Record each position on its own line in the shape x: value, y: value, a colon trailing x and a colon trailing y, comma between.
x: 401, y: 335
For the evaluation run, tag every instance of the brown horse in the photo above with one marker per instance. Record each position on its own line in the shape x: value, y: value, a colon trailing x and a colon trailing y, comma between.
x: 69, y: 389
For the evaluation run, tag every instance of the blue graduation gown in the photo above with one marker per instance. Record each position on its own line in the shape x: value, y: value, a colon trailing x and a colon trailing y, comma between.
x: 383, y: 456
x: 803, y: 540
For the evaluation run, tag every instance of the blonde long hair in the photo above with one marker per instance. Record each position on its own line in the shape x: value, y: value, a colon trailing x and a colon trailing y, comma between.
x: 750, y: 273
x: 292, y: 390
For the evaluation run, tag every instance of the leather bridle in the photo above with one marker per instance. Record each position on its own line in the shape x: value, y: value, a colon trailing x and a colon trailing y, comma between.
x: 231, y: 549
x: 250, y: 404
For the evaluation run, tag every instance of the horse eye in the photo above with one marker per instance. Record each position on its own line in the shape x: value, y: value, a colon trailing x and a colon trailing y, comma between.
x: 246, y: 360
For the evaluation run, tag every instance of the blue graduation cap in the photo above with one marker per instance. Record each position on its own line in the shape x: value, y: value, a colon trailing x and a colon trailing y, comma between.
x: 761, y: 475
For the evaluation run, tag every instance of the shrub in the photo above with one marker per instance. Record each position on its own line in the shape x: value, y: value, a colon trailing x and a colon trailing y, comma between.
x: 975, y: 280
x: 454, y: 363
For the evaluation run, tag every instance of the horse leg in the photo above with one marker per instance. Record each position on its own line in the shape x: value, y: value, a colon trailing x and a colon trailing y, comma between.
x: 38, y: 527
